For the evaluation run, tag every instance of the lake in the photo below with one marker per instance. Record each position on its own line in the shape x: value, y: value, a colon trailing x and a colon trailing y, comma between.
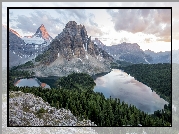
x: 119, y: 84
x: 30, y: 82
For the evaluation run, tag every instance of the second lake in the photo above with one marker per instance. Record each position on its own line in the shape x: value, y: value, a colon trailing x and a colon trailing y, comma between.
x: 119, y: 84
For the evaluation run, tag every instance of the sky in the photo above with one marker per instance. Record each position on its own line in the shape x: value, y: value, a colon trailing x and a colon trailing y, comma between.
x: 149, y: 28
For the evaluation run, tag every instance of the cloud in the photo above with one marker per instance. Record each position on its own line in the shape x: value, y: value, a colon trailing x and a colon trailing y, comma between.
x: 54, y: 21
x: 92, y: 22
x: 91, y: 18
x: 79, y: 15
x: 147, y: 40
x: 147, y: 21
x: 124, y: 39
x: 93, y: 31
x: 38, y: 17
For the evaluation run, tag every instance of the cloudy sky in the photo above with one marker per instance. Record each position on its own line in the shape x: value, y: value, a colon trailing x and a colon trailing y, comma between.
x: 150, y: 28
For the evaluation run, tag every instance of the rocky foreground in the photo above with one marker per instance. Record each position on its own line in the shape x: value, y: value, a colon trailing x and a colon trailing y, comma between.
x: 25, y: 109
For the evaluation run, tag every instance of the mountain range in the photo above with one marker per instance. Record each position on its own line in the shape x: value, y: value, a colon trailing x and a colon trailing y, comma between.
x: 59, y: 56
x: 133, y: 54
x: 159, y: 57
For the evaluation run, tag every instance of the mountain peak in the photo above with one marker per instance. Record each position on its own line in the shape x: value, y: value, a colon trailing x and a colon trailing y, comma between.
x: 13, y: 31
x: 72, y: 50
x: 42, y: 33
x: 71, y: 23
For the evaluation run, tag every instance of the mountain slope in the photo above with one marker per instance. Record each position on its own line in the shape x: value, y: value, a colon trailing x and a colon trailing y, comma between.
x: 72, y: 50
x: 160, y: 57
x: 16, y: 51
x: 21, y: 52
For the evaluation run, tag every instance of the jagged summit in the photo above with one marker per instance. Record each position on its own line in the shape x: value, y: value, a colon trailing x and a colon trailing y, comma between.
x: 42, y: 33
x: 72, y: 50
x: 73, y: 41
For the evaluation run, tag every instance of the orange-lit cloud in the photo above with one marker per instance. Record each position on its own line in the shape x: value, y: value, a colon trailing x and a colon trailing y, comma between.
x: 147, y: 21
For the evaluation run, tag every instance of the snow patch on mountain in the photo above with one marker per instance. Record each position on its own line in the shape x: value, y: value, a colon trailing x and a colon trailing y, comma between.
x: 146, y: 60
x: 33, y: 40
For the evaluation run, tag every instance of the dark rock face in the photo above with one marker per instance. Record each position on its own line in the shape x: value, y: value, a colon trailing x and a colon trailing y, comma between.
x: 72, y: 50
x: 73, y: 42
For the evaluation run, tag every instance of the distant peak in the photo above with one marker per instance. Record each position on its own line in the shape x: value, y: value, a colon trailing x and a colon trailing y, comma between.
x: 42, y: 32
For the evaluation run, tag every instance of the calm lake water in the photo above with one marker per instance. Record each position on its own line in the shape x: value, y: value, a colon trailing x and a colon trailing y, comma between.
x: 119, y: 84
x: 31, y: 82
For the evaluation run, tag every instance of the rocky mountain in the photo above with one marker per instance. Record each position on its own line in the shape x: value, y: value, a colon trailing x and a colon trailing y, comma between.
x: 72, y: 51
x: 40, y: 37
x: 25, y: 109
x: 15, y: 49
x: 20, y: 51
x: 126, y: 52
x: 160, y: 57
x: 42, y: 33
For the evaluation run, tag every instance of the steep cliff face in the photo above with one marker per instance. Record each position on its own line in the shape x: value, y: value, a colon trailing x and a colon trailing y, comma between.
x: 73, y: 50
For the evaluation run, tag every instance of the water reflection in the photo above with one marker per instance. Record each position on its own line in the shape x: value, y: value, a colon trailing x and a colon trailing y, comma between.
x: 32, y: 82
x: 119, y: 84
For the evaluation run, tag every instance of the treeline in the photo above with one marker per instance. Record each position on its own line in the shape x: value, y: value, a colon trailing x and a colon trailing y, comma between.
x: 119, y: 64
x: 76, y: 81
x: 26, y: 65
x: 124, y: 63
x: 75, y: 92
